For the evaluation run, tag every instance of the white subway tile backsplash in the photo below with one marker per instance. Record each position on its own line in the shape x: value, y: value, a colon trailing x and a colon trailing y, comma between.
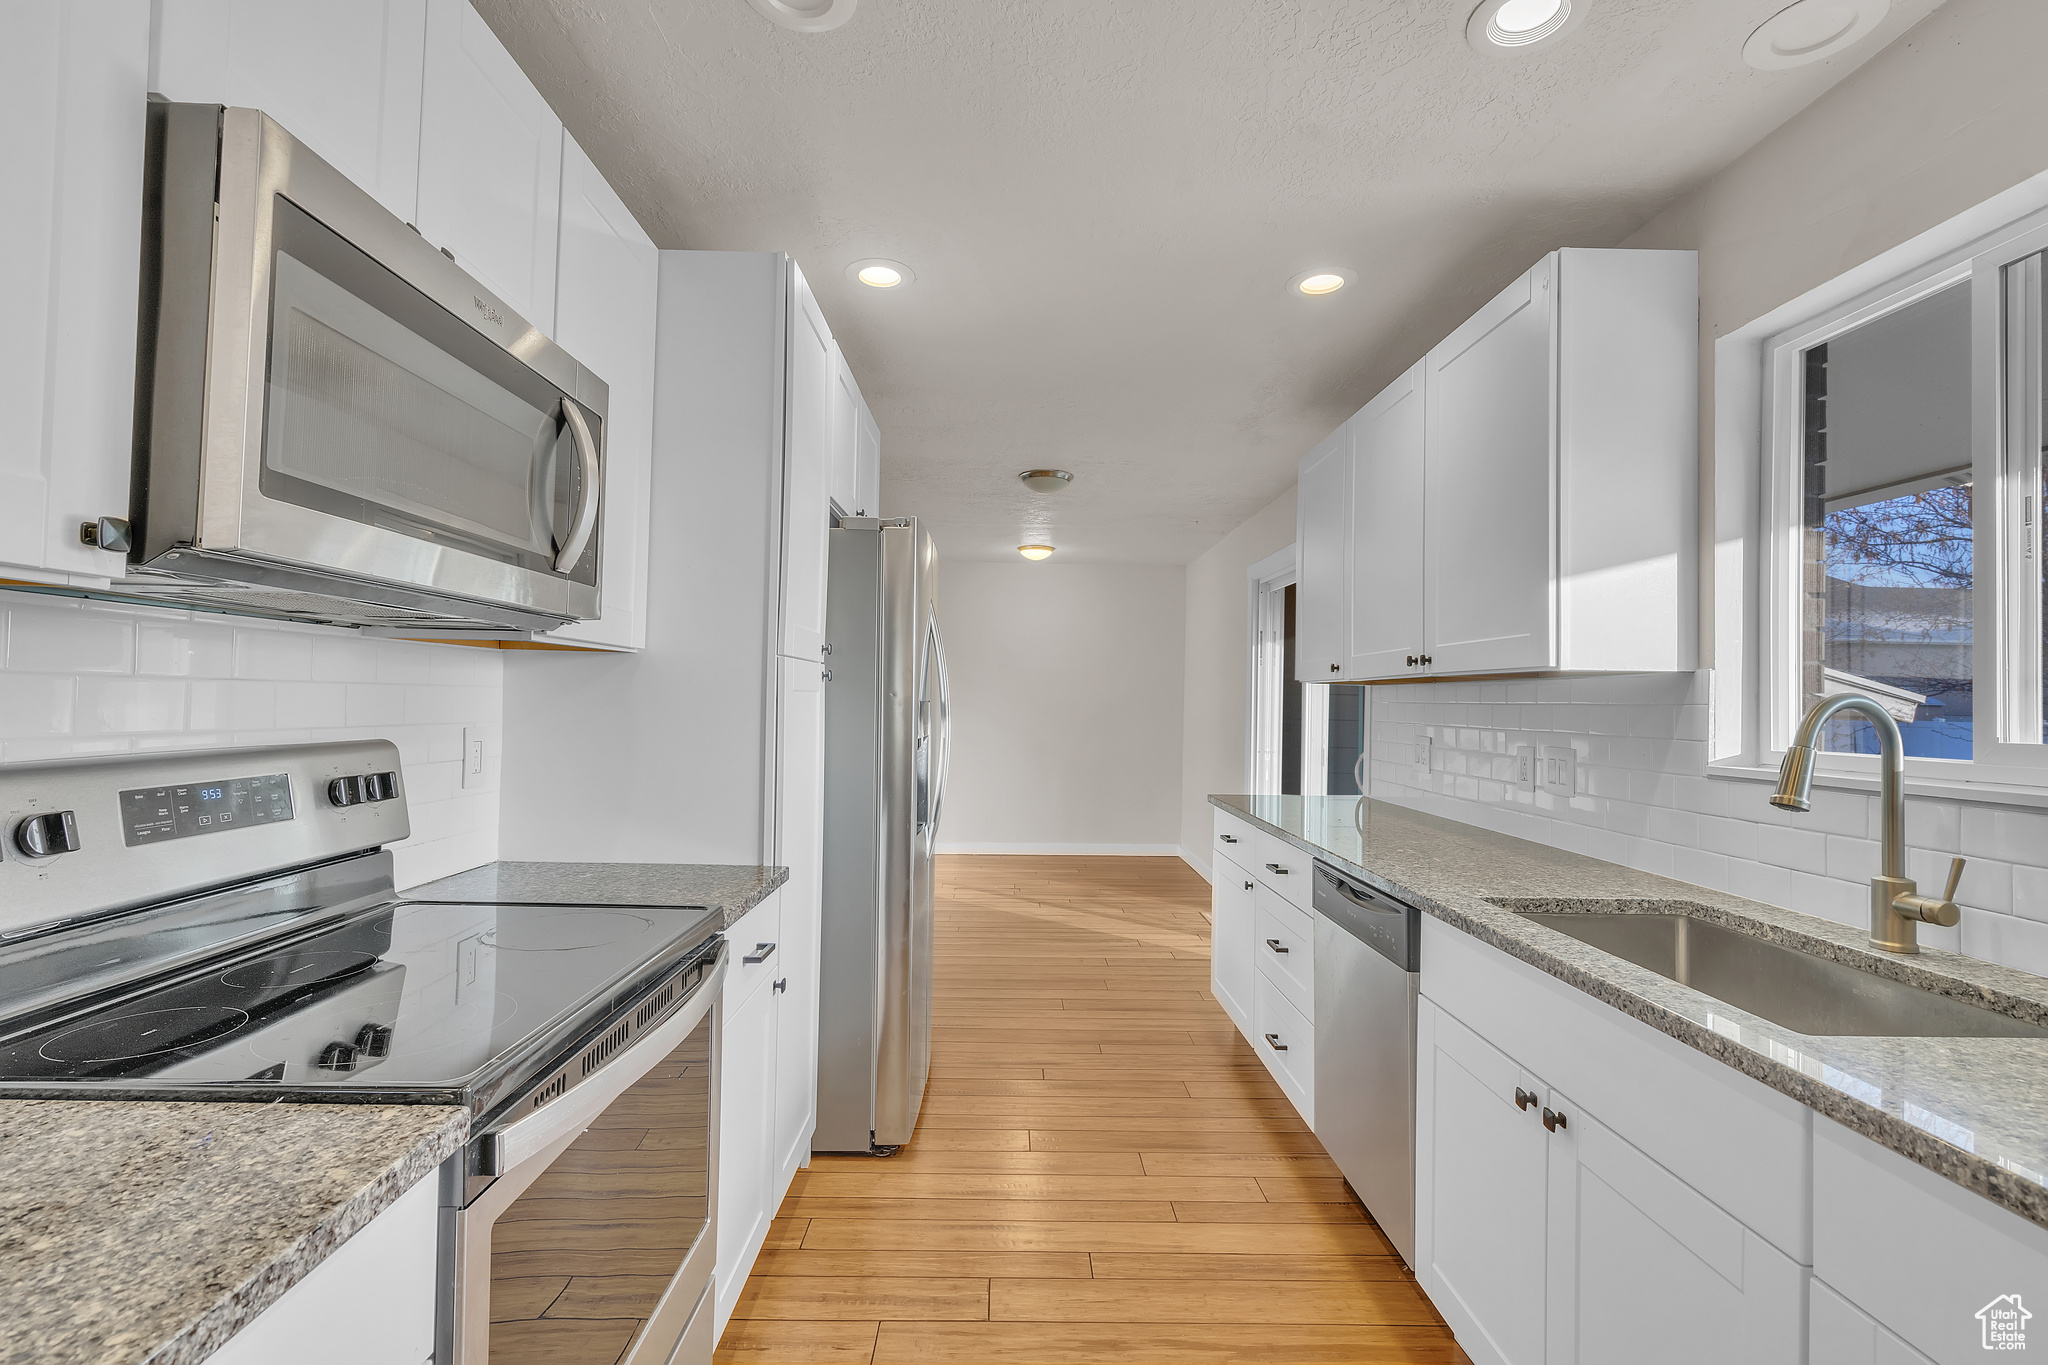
x: 84, y: 678
x: 1643, y: 799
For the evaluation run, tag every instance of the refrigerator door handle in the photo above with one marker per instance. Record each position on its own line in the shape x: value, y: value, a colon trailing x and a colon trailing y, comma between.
x: 944, y: 728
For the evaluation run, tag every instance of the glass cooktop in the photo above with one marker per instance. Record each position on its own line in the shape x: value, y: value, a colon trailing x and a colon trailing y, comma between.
x: 399, y: 1001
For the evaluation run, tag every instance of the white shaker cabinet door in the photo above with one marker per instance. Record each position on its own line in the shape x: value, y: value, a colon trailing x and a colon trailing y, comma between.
x: 1489, y: 507
x: 1644, y: 1267
x: 490, y: 163
x: 605, y: 317
x: 71, y: 133
x: 867, y: 478
x: 1322, y: 554
x: 1383, y: 636
x: 343, y: 79
x: 1481, y: 1197
x: 846, y: 410
x: 1230, y: 941
x: 800, y: 833
x: 807, y: 471
x: 746, y: 1124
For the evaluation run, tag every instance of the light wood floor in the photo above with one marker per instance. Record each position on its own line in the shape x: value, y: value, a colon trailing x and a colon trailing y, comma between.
x: 1102, y: 1171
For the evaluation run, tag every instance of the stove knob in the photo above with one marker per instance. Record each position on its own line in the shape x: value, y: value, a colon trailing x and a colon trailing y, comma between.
x: 41, y: 836
x: 374, y: 1040
x: 379, y: 786
x: 337, y: 1057
x: 345, y: 791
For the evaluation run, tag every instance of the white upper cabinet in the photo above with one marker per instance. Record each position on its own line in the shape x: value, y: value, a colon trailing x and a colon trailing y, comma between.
x: 490, y: 163
x: 812, y: 401
x: 343, y: 79
x: 867, y: 478
x: 1487, y: 578
x: 1524, y: 499
x: 1384, y: 606
x: 605, y: 317
x: 1322, y: 557
x: 846, y: 410
x: 71, y: 105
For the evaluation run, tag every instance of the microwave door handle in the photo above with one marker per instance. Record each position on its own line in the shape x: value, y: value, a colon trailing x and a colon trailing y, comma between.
x: 586, y: 489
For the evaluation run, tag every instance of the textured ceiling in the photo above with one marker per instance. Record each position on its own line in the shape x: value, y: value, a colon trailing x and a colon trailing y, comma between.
x: 1103, y: 202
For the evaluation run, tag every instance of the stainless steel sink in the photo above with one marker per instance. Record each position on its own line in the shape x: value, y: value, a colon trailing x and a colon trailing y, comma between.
x: 1806, y: 994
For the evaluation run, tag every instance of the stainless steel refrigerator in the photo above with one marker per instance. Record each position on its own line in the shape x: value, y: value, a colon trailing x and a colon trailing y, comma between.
x: 886, y: 741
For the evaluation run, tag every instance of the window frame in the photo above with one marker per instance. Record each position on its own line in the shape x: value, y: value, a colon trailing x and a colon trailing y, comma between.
x: 2006, y: 398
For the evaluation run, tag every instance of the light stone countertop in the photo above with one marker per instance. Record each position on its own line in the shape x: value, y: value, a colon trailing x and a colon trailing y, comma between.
x: 734, y: 888
x: 1974, y: 1110
x: 136, y: 1231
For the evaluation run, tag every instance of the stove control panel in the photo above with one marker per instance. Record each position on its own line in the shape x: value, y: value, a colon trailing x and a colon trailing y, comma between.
x: 150, y: 815
x: 363, y: 789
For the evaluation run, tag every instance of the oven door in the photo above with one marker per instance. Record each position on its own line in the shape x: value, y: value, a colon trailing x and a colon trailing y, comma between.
x: 594, y: 1246
x: 366, y: 410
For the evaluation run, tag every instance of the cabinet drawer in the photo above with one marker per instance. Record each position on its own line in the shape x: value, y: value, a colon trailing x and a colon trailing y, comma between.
x: 758, y: 935
x: 1235, y: 840
x: 1286, y: 1042
x: 1283, y: 944
x: 1286, y: 869
x: 1735, y: 1140
x: 1920, y: 1254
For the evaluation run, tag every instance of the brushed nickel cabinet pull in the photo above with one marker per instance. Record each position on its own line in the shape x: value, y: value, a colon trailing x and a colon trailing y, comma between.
x: 1273, y: 1041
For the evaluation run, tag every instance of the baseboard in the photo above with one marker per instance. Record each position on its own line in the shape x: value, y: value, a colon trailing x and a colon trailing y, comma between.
x: 1201, y: 869
x: 1071, y: 850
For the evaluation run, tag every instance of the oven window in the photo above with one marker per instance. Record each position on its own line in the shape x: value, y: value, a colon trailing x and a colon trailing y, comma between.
x: 580, y: 1260
x: 384, y: 409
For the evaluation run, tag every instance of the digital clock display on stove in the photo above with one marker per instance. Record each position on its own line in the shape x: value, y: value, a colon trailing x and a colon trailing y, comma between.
x: 150, y: 815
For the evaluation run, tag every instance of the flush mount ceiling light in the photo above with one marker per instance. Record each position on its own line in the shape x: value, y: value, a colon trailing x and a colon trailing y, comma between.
x: 877, y: 273
x: 1034, y: 551
x: 1811, y: 31
x: 806, y: 16
x: 1045, y: 480
x: 1499, y: 27
x: 1325, y: 279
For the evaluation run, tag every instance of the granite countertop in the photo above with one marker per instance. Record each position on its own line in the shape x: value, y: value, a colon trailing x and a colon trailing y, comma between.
x: 1974, y: 1110
x: 734, y: 888
x: 153, y: 1232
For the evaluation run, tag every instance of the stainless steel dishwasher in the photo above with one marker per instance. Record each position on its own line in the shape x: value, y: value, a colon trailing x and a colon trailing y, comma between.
x: 1366, y: 985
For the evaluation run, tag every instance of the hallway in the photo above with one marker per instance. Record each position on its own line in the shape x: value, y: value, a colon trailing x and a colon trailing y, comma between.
x: 1103, y: 1171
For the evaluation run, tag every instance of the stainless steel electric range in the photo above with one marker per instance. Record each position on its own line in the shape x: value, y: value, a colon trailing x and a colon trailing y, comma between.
x: 222, y: 926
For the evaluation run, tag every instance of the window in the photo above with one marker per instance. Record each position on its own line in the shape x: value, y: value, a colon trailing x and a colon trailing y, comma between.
x: 1304, y: 739
x: 1904, y: 495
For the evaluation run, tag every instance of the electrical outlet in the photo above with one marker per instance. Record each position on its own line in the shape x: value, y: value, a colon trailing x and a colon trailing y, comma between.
x: 1557, y: 769
x: 472, y: 756
x: 1422, y: 743
x: 1525, y: 767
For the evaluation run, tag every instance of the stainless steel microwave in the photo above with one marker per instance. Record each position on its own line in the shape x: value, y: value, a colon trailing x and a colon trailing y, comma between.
x: 335, y: 421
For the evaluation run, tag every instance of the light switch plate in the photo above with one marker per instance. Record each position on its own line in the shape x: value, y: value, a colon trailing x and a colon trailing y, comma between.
x: 472, y: 756
x: 1557, y: 769
x: 1422, y: 744
x: 1525, y: 767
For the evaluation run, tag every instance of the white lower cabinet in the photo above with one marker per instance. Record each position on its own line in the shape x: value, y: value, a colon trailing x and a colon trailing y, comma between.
x: 387, y: 1268
x: 800, y: 797
x: 1285, y: 1040
x: 1230, y: 941
x: 746, y: 1128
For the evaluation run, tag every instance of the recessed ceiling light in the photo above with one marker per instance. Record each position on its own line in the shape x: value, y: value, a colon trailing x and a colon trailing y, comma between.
x: 806, y: 16
x: 1034, y: 551
x: 1811, y: 31
x: 1327, y: 279
x: 1503, y: 26
x: 1046, y: 480
x: 877, y: 273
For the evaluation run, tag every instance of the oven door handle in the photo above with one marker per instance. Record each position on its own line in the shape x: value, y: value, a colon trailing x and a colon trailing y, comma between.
x: 585, y: 520
x: 576, y: 1110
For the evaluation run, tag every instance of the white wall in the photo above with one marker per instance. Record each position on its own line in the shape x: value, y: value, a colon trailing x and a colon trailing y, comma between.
x: 87, y: 678
x: 1066, y: 685
x: 1945, y: 118
x: 1213, y: 744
